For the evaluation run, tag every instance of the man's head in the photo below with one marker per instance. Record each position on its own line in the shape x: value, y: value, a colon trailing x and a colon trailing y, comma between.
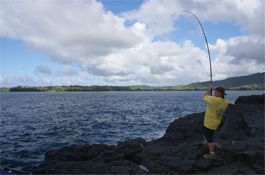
x: 219, y: 92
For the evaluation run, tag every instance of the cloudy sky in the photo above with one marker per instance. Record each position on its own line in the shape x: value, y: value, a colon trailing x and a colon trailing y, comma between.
x: 89, y: 42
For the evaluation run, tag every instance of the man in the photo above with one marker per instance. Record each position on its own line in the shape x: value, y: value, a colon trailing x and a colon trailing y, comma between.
x: 217, y: 105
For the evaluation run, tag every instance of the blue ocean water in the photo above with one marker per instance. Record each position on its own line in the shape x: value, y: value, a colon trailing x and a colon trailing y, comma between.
x: 34, y: 122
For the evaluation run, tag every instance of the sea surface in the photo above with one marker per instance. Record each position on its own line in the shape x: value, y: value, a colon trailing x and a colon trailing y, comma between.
x: 33, y: 123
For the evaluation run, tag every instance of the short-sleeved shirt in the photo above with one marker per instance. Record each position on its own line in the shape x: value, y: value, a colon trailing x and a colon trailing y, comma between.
x: 214, y: 111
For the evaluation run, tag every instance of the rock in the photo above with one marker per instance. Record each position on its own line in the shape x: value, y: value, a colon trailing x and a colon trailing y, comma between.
x: 234, y: 128
x: 203, y: 164
x: 10, y: 171
x: 258, y: 169
x: 186, y: 166
x: 241, y: 167
x: 249, y: 157
x: 260, y: 132
x: 253, y: 99
x: 179, y: 151
x: 255, y: 142
x: 183, y: 129
x: 170, y: 162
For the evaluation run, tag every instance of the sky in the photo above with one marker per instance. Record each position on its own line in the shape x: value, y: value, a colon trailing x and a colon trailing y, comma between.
x: 121, y: 43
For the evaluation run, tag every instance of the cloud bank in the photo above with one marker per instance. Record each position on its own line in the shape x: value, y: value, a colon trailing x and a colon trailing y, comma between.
x: 107, y: 50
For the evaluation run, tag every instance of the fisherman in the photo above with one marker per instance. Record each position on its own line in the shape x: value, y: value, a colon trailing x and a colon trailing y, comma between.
x: 217, y: 105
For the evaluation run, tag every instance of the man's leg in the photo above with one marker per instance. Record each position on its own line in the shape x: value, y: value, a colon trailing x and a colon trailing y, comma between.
x: 205, y: 141
x: 211, y: 154
x: 211, y: 147
x: 209, y: 137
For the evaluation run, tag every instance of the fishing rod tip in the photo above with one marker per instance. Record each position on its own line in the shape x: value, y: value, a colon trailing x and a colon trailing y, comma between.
x: 180, y: 11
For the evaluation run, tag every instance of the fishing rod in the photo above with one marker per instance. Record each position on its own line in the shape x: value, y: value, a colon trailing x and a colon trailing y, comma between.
x: 205, y: 41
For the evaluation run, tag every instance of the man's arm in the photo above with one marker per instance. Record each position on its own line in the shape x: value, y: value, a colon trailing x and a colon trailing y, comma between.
x: 209, y: 90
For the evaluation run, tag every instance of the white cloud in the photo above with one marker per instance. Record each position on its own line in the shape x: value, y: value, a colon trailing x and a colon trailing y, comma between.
x: 72, y: 31
x: 246, y: 51
x: 84, y: 75
x: 43, y: 70
x: 238, y: 56
x: 32, y: 81
x: 83, y: 33
x: 45, y: 82
x: 155, y: 13
x: 17, y: 81
x: 73, y: 80
x: 68, y: 71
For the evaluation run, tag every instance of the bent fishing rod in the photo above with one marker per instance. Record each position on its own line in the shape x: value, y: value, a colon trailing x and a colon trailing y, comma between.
x: 205, y: 41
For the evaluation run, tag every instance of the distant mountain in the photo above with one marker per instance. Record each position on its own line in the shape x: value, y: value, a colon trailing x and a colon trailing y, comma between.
x: 248, y: 82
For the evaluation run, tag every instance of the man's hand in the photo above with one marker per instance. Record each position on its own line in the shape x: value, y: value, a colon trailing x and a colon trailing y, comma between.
x: 209, y: 90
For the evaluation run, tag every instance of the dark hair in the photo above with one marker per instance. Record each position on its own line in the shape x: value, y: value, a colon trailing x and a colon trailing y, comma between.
x: 221, y: 89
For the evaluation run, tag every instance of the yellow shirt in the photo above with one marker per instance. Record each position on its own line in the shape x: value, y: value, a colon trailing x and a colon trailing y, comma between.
x: 214, y: 111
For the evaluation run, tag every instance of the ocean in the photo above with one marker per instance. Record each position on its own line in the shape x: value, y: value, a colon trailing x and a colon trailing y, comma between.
x: 33, y: 123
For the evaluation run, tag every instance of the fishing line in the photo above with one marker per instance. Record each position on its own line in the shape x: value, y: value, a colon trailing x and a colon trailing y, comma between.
x: 205, y: 41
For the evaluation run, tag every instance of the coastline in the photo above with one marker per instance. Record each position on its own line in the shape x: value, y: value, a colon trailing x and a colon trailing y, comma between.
x: 179, y: 151
x: 203, y: 90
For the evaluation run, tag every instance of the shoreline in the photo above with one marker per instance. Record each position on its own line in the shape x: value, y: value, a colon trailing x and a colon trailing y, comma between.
x: 179, y: 151
x: 138, y: 91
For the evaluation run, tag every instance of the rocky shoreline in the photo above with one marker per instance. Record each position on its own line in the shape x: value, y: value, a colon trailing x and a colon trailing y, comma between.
x: 179, y: 151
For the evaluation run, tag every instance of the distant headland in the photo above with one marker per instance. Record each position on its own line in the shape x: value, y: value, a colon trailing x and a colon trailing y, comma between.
x: 250, y: 82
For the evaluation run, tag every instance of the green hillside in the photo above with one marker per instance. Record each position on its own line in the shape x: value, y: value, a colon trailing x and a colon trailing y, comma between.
x: 250, y: 82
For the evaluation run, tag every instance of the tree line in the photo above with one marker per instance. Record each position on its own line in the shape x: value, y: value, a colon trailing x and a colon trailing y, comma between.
x: 122, y: 88
x: 250, y: 82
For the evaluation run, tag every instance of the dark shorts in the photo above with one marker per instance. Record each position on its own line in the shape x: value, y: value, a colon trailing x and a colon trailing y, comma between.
x: 208, y: 133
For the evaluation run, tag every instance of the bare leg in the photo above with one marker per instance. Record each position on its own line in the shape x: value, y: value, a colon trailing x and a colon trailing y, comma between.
x: 211, y: 147
x: 211, y: 155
